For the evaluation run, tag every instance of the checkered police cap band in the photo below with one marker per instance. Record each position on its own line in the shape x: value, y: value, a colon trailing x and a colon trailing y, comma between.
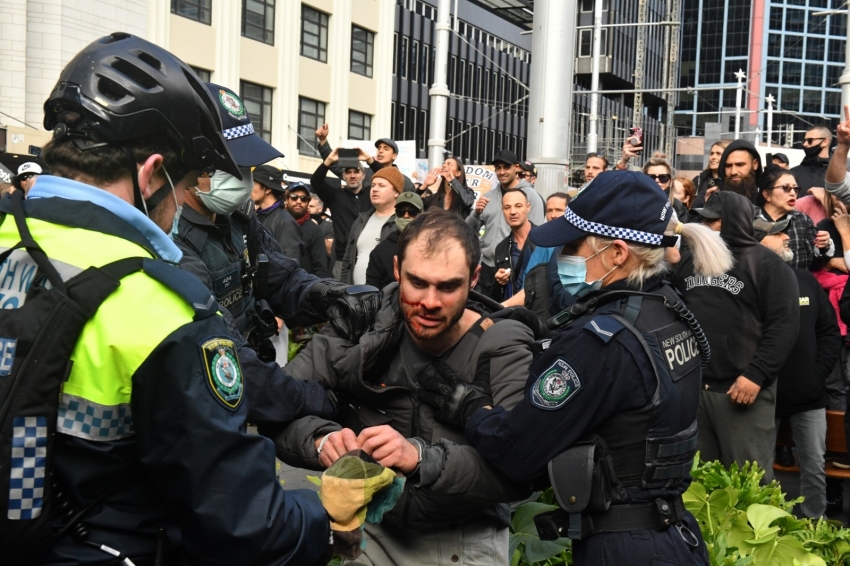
x: 238, y: 132
x: 612, y: 231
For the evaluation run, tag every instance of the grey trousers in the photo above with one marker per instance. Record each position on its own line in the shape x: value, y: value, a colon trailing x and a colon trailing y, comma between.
x: 736, y: 433
x: 467, y: 545
x: 808, y: 429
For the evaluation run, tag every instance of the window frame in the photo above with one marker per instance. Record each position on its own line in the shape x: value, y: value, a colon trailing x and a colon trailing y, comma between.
x: 204, y: 12
x: 322, y: 23
x: 365, y: 125
x: 303, y: 147
x: 368, y: 53
x: 267, y: 32
x: 258, y: 121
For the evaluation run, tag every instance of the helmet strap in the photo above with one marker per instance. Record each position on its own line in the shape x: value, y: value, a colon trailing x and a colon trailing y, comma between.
x: 155, y: 199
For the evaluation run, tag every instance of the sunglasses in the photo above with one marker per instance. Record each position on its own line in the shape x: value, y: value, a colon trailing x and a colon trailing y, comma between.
x: 786, y: 188
x: 403, y: 211
x: 811, y: 141
x: 302, y: 198
x: 664, y: 178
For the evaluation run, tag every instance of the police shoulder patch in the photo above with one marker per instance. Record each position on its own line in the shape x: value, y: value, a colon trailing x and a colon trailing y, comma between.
x: 604, y: 327
x: 555, y: 386
x: 223, y: 372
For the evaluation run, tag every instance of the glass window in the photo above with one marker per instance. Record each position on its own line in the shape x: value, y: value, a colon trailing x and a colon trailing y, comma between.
x: 362, y: 51
x: 414, y: 60
x: 774, y: 45
x: 198, y: 10
x: 776, y: 18
x: 423, y: 64
x: 258, y: 103
x: 402, y: 59
x: 585, y: 43
x: 838, y: 25
x: 311, y: 115
x: 832, y: 103
x: 814, y: 74
x: 795, y: 20
x: 203, y: 74
x: 772, y: 71
x: 258, y: 20
x: 836, y: 50
x: 359, y: 126
x: 812, y: 100
x: 791, y: 73
x: 410, y: 125
x: 793, y: 47
x: 790, y: 99
x: 314, y: 34
x: 815, y: 48
x: 832, y: 74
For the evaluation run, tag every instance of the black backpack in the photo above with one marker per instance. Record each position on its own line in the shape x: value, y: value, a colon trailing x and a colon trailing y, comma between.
x: 36, y: 344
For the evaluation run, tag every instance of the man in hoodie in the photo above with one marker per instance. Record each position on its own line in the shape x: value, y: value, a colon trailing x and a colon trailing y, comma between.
x: 751, y: 316
x: 739, y: 170
x: 811, y: 172
x: 801, y: 396
x: 488, y: 213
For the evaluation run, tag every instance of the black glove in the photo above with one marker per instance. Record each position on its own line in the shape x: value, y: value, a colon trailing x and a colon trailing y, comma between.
x: 525, y: 316
x: 351, y: 309
x: 452, y: 398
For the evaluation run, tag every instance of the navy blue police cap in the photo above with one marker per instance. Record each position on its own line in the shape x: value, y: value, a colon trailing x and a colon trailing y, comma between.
x: 623, y: 205
x: 246, y: 146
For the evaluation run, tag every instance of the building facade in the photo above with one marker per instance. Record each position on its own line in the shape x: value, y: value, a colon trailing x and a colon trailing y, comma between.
x: 786, y: 51
x: 296, y: 64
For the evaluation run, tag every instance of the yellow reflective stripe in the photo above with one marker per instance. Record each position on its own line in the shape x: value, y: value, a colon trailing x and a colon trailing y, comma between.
x: 129, y: 325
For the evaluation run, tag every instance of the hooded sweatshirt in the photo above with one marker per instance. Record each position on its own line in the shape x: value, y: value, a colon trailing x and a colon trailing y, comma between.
x: 699, y: 201
x: 811, y: 172
x: 751, y: 314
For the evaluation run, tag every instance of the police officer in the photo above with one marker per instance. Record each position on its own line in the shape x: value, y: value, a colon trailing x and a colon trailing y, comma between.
x: 150, y: 442
x: 610, y: 407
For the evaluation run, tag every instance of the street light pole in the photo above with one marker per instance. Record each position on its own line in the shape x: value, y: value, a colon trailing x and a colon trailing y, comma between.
x: 844, y: 79
x: 592, y: 135
x: 439, y: 89
x: 770, y: 100
x: 740, y: 75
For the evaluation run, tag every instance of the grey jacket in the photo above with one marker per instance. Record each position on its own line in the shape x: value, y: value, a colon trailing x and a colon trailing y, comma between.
x: 841, y: 190
x: 377, y: 379
x: 496, y: 228
x: 350, y: 257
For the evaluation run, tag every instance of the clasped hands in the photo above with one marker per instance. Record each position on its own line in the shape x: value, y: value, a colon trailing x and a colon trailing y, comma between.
x: 386, y: 445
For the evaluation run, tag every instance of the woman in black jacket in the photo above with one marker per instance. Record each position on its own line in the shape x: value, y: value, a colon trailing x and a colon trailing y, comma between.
x: 452, y: 193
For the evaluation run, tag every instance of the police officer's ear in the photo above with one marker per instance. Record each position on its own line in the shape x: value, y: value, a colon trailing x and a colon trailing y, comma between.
x: 152, y: 167
x: 619, y: 253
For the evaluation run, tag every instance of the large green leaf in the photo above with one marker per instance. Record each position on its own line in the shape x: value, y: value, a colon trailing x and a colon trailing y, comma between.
x: 761, y: 518
x: 785, y: 551
x: 524, y: 535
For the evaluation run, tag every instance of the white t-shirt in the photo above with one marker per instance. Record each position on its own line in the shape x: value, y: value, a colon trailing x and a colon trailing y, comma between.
x: 368, y: 241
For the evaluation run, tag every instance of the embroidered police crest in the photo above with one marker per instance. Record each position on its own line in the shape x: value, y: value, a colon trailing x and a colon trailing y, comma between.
x: 231, y: 103
x: 224, y: 374
x: 555, y: 386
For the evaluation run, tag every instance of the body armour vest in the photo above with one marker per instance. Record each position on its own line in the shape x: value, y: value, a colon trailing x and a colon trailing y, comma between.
x: 653, y: 447
x: 225, y: 255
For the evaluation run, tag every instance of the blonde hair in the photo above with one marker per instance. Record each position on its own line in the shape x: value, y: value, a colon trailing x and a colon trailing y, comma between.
x: 711, y: 256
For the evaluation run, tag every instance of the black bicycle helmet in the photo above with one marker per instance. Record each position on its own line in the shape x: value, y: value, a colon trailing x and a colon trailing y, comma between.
x: 124, y: 87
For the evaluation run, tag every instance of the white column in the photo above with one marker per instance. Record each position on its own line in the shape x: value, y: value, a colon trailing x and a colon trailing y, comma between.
x: 285, y: 100
x: 227, y: 21
x: 339, y: 59
x: 439, y: 89
x: 159, y: 22
x: 383, y: 70
x: 13, y: 61
x: 551, y: 100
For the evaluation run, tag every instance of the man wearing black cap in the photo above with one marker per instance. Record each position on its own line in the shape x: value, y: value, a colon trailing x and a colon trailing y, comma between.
x: 268, y: 196
x: 801, y: 395
x: 751, y: 317
x: 616, y: 390
x: 780, y: 160
x: 488, y: 213
x: 528, y: 173
x: 739, y: 171
x: 315, y: 257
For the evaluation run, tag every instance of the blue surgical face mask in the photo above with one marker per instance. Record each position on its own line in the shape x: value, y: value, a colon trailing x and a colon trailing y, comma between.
x: 227, y: 194
x: 572, y: 271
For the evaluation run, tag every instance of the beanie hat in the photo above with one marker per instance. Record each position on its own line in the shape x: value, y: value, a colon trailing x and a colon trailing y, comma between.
x: 392, y: 175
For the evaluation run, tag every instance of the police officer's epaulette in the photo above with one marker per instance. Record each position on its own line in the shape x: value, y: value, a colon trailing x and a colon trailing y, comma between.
x: 184, y: 284
x: 604, y: 327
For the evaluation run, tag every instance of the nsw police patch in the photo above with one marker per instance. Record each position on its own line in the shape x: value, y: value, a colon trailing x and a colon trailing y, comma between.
x: 555, y: 386
x: 224, y: 374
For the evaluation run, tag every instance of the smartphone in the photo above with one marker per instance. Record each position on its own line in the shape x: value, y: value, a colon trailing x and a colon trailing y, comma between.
x: 636, y: 138
x: 712, y: 182
x: 348, y: 158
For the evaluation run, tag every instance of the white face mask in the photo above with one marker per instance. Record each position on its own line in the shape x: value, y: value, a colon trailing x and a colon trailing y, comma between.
x: 178, y: 209
x: 227, y: 193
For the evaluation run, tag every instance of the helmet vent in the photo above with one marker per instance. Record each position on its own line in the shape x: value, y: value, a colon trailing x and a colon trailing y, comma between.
x: 134, y: 73
x: 110, y: 89
x: 150, y: 60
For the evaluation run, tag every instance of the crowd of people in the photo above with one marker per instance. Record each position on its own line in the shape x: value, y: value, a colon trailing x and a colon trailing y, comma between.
x: 455, y: 352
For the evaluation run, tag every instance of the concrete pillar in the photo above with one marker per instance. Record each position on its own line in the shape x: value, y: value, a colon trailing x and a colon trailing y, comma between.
x: 551, y: 98
x: 13, y: 61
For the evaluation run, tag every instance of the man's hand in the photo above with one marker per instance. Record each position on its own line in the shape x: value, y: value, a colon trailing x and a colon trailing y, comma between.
x: 363, y: 156
x: 332, y: 158
x: 452, y: 399
x: 503, y: 276
x: 322, y: 133
x: 337, y: 444
x: 842, y: 132
x: 389, y: 448
x: 822, y: 240
x: 480, y: 204
x: 743, y: 391
x: 841, y: 219
x: 629, y: 151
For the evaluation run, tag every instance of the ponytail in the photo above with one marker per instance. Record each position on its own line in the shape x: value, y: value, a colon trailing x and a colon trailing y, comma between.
x: 711, y: 256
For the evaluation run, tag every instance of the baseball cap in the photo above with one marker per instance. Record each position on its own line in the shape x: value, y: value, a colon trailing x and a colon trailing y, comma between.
x: 29, y: 168
x: 505, y: 156
x: 762, y: 228
x: 389, y: 142
x: 410, y: 198
x: 270, y: 177
x: 246, y: 147
x: 780, y: 156
x: 299, y: 186
x: 625, y: 205
x: 528, y: 167
x: 712, y: 209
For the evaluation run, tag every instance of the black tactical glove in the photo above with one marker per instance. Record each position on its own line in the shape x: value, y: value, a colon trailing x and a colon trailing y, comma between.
x: 452, y: 398
x: 351, y: 309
